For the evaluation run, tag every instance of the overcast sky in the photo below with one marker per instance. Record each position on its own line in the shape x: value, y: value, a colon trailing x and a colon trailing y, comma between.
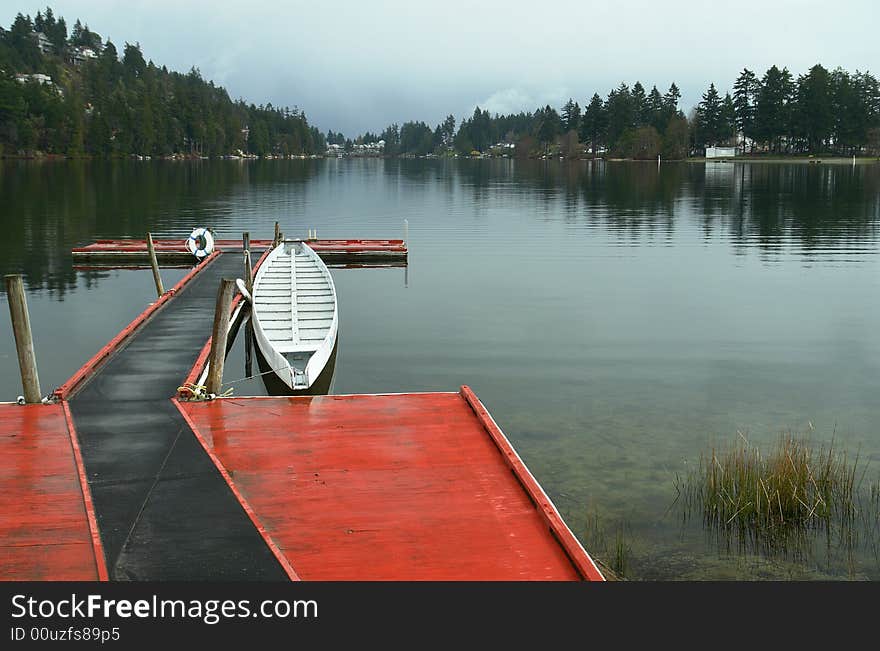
x: 356, y: 66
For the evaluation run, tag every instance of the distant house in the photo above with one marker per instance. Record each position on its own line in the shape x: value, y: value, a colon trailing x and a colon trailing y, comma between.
x: 720, y: 152
x: 36, y: 78
x: 43, y: 43
x: 80, y: 55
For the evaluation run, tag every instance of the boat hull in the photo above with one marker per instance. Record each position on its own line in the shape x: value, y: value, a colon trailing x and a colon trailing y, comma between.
x: 275, y: 386
x: 294, y: 315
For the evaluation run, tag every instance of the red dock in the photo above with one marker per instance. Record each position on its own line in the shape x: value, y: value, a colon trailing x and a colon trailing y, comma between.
x: 174, y: 252
x: 388, y: 487
x: 48, y: 529
x: 365, y: 487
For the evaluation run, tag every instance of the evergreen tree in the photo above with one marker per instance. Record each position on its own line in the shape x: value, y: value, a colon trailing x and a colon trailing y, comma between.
x: 814, y: 111
x: 656, y: 116
x: 745, y: 94
x: 773, y: 109
x: 594, y: 124
x: 571, y: 115
x: 620, y: 114
x: 640, y: 105
x: 710, y: 118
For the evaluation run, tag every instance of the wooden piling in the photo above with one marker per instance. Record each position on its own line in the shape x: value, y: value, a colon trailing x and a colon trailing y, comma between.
x: 24, y: 343
x: 154, y: 263
x: 219, y: 334
x: 277, y: 235
x: 248, y: 268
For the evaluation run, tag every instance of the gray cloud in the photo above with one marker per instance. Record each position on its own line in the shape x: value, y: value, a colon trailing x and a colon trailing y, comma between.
x: 356, y: 66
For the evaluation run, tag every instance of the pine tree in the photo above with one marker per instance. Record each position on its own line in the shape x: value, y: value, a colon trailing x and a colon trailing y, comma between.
x: 594, y: 124
x: 710, y: 118
x: 745, y: 94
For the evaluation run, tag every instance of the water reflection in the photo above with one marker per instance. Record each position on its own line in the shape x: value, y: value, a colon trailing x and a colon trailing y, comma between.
x: 616, y: 319
x: 47, y: 208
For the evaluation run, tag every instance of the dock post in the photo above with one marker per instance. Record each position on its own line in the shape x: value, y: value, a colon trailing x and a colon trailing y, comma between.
x: 405, y: 231
x: 219, y: 335
x: 154, y: 263
x: 277, y: 239
x: 24, y: 343
x: 248, y: 269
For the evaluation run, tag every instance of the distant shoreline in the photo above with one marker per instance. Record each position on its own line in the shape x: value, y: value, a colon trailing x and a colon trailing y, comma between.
x: 814, y: 160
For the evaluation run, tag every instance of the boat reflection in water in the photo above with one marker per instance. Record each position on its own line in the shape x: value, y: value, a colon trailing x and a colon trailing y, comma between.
x: 274, y: 385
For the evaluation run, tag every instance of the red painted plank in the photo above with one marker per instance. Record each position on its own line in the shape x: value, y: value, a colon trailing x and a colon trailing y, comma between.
x: 282, y: 559
x: 393, y: 487
x: 97, y: 545
x: 572, y: 546
x: 45, y: 532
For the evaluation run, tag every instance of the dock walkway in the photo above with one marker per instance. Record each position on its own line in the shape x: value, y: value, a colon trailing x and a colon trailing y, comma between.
x: 121, y: 480
x: 164, y: 510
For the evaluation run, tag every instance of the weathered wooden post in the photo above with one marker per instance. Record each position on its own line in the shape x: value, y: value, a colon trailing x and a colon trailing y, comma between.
x: 277, y: 235
x: 24, y: 343
x: 248, y: 269
x: 154, y: 263
x: 219, y: 335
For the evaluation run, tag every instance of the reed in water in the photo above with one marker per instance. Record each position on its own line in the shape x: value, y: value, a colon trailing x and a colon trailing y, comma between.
x: 778, y: 502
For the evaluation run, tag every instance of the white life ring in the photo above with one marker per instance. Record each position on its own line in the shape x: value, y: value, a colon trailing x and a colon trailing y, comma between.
x: 200, y: 243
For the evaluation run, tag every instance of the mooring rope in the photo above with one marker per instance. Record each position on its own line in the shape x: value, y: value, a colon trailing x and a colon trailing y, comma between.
x: 251, y: 377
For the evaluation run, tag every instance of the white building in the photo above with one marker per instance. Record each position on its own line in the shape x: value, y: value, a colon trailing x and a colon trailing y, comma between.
x: 79, y: 55
x: 720, y: 152
x: 36, y: 78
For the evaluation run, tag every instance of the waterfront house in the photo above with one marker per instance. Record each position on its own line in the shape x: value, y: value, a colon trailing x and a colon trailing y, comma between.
x: 720, y: 152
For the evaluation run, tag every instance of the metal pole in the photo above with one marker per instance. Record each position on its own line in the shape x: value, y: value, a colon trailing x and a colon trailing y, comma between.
x: 154, y: 263
x: 219, y: 335
x: 24, y: 343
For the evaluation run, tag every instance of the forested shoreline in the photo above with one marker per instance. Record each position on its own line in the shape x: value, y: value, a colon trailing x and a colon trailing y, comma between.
x: 821, y: 112
x: 73, y: 94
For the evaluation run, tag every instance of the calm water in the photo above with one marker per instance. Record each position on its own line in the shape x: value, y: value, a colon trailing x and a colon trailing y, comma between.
x: 617, y: 320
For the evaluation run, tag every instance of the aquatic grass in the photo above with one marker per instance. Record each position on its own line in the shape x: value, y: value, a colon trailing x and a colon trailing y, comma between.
x: 611, y: 552
x: 777, y: 502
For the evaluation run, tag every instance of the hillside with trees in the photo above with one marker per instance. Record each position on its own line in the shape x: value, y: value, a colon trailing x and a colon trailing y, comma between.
x: 72, y: 93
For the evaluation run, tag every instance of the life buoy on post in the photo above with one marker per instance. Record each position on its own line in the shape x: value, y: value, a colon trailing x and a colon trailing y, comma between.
x: 200, y: 243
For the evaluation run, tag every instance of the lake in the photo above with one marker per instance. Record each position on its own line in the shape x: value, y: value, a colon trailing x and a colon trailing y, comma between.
x: 618, y: 320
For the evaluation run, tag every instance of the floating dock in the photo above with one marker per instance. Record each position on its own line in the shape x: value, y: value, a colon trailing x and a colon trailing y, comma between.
x: 403, y: 487
x: 174, y: 252
x: 47, y: 529
x: 363, y: 487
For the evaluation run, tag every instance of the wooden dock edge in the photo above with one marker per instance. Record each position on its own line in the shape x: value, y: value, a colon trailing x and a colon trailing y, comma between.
x: 97, y: 545
x: 201, y: 364
x: 66, y: 390
x: 270, y: 543
x: 576, y: 553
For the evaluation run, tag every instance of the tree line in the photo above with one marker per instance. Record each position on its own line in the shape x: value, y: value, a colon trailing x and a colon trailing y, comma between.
x: 107, y: 104
x: 820, y: 112
x: 112, y: 105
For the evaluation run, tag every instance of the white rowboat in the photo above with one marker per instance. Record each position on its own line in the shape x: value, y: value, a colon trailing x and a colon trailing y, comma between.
x: 294, y: 313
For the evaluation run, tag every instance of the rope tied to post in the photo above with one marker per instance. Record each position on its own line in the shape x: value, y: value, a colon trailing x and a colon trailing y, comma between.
x: 198, y: 392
